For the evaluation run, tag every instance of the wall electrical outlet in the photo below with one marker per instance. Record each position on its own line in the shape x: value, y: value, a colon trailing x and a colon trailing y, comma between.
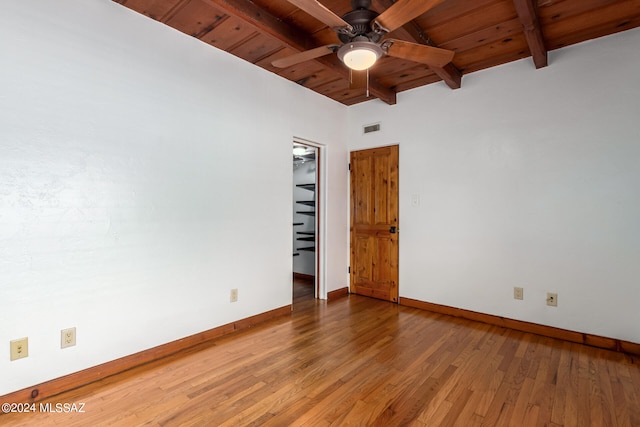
x: 234, y: 295
x: 552, y: 299
x: 518, y: 293
x: 19, y: 348
x: 68, y: 337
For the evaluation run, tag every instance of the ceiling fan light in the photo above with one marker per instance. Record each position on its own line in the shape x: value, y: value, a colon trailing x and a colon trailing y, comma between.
x: 359, y: 55
x: 299, y: 150
x: 360, y: 59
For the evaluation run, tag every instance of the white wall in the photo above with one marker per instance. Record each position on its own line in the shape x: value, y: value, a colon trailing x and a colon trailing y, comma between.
x: 526, y: 178
x: 143, y: 174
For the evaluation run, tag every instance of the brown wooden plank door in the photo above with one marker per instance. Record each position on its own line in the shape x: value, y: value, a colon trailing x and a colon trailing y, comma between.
x: 374, y: 223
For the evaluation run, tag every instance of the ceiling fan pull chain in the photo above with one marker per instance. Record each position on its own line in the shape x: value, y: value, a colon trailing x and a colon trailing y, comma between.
x: 367, y: 82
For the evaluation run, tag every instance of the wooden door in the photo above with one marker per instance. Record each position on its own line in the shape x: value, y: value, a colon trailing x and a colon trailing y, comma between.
x: 374, y: 223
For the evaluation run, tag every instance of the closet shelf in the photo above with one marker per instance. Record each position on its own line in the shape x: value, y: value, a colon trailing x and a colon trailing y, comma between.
x: 310, y: 187
x: 308, y: 235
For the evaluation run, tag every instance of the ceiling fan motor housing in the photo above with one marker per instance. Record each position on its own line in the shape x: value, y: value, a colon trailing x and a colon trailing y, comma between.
x: 360, y: 4
x: 360, y: 19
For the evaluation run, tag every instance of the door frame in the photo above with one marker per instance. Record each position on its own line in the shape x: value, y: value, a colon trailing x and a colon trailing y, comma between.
x: 320, y: 288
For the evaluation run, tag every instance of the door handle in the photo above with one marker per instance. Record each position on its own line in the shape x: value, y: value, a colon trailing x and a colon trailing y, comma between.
x: 393, y: 229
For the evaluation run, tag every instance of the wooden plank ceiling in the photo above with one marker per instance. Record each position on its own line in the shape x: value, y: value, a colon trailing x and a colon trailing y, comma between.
x: 482, y: 33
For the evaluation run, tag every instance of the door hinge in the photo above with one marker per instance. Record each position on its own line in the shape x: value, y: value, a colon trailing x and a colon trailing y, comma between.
x: 349, y: 269
x: 349, y: 167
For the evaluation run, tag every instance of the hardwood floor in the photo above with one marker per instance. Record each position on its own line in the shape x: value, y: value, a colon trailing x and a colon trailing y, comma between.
x: 360, y: 361
x: 303, y: 293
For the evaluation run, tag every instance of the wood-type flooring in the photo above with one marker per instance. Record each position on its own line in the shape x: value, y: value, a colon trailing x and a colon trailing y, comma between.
x: 357, y: 361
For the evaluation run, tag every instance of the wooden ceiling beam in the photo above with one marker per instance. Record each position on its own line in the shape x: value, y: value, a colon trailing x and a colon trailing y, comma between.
x: 292, y: 38
x: 449, y: 73
x: 263, y: 21
x: 526, y: 10
x: 414, y: 33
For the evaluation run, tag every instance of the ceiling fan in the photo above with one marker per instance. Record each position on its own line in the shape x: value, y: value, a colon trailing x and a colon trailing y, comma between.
x: 362, y: 32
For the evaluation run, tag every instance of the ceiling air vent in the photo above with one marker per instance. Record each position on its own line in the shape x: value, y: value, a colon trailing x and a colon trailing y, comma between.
x: 371, y: 128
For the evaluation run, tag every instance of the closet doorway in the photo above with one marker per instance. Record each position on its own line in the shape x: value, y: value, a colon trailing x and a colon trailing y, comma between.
x: 306, y: 222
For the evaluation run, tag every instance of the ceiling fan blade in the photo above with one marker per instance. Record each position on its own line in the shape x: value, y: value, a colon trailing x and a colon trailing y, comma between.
x: 429, y: 55
x: 307, y: 55
x: 322, y: 14
x: 402, y: 12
